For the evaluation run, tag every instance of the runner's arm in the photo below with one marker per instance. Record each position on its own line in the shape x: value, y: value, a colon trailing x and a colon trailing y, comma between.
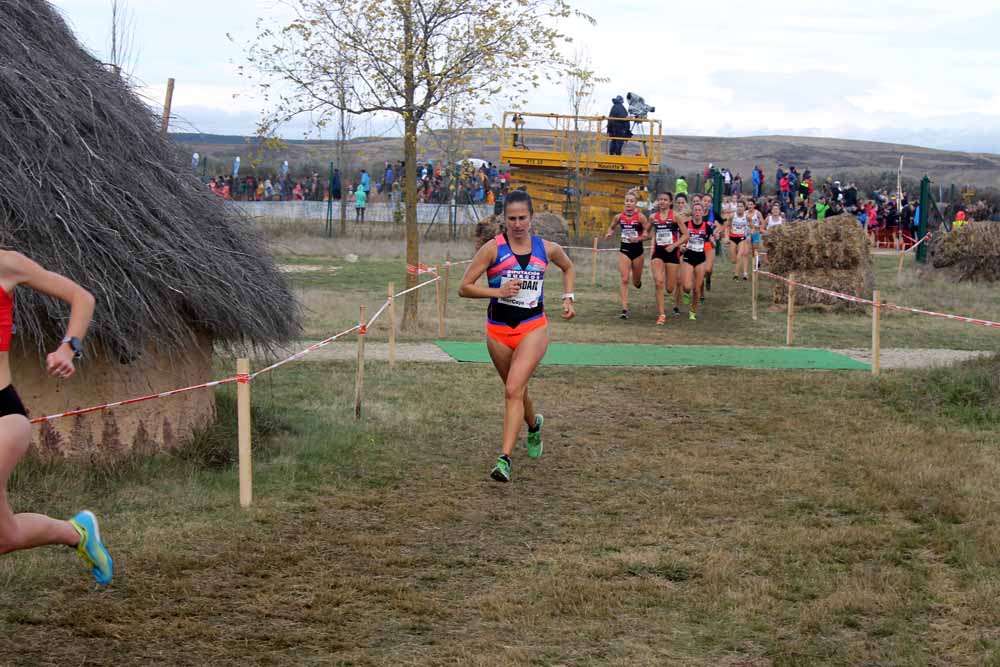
x: 81, y: 303
x: 611, y: 229
x: 558, y: 257
x: 644, y: 221
x: 685, y: 235
x: 480, y: 263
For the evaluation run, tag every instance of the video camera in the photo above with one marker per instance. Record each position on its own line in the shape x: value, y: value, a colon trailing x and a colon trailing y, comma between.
x: 637, y: 107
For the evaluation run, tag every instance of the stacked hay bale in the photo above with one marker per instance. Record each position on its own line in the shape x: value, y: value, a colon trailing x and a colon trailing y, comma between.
x: 549, y: 226
x: 833, y: 254
x: 971, y: 252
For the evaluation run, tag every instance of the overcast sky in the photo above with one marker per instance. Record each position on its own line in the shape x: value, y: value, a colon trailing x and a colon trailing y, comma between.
x: 915, y: 72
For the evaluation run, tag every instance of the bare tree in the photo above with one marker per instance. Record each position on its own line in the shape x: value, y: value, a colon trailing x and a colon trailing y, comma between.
x: 580, y: 82
x: 407, y: 57
x: 123, y: 53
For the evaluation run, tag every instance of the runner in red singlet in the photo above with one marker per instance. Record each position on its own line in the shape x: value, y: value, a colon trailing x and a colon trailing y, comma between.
x: 668, y: 237
x: 695, y: 261
x: 635, y: 229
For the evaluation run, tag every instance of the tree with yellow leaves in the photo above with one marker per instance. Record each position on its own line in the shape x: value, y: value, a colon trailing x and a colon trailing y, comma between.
x: 407, y: 57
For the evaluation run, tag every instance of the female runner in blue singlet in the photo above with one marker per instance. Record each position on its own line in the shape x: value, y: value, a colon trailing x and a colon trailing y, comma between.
x: 517, y: 333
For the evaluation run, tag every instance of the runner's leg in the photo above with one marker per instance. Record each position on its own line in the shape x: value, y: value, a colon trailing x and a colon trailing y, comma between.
x: 24, y: 531
x: 623, y: 269
x: 501, y: 356
x: 637, y: 265
x: 524, y: 361
x: 659, y: 278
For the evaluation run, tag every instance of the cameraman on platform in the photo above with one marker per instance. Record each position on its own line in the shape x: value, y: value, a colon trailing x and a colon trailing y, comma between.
x: 618, y: 128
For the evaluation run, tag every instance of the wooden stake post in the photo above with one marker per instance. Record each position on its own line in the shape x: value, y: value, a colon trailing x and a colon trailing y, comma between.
x: 440, y: 293
x: 753, y: 289
x: 166, y: 107
x: 899, y: 268
x: 243, y: 432
x: 359, y: 381
x: 593, y: 266
x: 392, y: 326
x: 876, y: 338
x: 447, y: 272
x: 790, y: 332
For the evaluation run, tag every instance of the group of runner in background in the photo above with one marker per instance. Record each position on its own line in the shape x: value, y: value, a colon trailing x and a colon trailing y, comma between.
x: 686, y: 233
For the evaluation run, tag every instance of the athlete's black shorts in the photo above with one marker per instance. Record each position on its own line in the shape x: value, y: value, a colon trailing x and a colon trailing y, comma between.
x: 660, y: 253
x: 737, y: 239
x: 10, y: 402
x: 632, y: 250
x: 694, y: 258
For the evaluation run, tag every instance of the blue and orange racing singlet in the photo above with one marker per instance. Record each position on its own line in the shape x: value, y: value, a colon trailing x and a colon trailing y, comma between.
x: 530, y: 270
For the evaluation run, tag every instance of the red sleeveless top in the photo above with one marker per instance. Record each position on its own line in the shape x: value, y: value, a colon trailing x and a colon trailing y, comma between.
x: 6, y: 319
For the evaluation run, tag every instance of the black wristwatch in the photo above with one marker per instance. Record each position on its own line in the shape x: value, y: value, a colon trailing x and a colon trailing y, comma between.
x: 77, y: 346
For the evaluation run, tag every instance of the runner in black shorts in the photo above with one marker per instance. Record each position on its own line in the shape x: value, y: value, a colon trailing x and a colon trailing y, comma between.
x: 635, y: 229
x: 667, y: 238
x: 695, y: 261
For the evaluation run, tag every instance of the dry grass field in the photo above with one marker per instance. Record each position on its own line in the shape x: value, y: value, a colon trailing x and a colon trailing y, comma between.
x: 678, y: 517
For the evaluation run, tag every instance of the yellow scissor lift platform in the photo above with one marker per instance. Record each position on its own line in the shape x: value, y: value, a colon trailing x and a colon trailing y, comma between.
x: 550, y: 154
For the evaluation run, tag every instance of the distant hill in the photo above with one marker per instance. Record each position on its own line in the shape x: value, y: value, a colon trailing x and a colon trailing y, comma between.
x: 683, y: 154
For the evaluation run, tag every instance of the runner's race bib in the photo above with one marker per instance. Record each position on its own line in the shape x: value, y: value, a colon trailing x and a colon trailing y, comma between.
x: 530, y: 292
x: 630, y: 235
x: 739, y: 229
x: 696, y: 244
x: 664, y: 237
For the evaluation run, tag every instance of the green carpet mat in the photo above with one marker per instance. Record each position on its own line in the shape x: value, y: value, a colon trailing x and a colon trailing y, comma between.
x: 578, y: 354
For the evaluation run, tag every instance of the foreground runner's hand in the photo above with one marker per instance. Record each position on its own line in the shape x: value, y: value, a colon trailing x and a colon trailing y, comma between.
x: 509, y: 289
x: 568, y: 311
x: 60, y: 364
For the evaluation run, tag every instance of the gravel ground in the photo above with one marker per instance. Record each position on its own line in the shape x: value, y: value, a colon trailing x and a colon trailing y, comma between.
x: 892, y: 357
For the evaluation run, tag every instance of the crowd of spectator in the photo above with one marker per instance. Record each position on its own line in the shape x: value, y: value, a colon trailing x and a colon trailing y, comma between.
x: 471, y: 182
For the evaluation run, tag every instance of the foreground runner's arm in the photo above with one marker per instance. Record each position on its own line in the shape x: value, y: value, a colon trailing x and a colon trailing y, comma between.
x: 646, y: 227
x: 484, y: 257
x: 24, y: 271
x: 682, y: 241
x: 558, y: 257
x: 614, y: 223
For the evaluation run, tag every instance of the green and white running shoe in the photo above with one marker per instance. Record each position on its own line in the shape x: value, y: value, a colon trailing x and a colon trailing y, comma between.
x: 90, y: 549
x: 686, y: 298
x: 534, y: 441
x: 501, y: 471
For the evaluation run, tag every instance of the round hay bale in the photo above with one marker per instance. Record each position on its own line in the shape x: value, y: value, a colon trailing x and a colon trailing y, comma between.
x: 550, y: 227
x: 833, y: 254
x: 835, y: 243
x: 487, y: 228
x: 969, y: 253
x: 855, y: 282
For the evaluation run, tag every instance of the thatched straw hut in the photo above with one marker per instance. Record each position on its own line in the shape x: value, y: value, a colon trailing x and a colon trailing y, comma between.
x: 971, y: 252
x: 833, y: 254
x: 91, y: 190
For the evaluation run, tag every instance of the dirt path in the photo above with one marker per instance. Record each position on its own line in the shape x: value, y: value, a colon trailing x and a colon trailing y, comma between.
x: 892, y: 357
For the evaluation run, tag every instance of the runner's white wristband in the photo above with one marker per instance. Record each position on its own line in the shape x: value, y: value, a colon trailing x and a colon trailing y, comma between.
x: 570, y: 296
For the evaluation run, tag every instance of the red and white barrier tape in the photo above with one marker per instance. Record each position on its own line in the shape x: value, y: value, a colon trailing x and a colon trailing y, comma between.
x: 958, y: 318
x: 839, y: 295
x: 164, y: 394
x: 914, y: 246
x: 920, y: 311
x: 242, y: 378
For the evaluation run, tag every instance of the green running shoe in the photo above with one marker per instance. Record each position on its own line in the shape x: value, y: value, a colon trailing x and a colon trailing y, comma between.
x: 686, y: 298
x: 692, y: 316
x: 90, y: 549
x: 501, y: 471
x: 534, y: 441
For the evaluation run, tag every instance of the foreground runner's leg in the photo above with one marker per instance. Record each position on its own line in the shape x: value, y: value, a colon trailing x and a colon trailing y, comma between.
x: 516, y: 368
x: 27, y: 531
